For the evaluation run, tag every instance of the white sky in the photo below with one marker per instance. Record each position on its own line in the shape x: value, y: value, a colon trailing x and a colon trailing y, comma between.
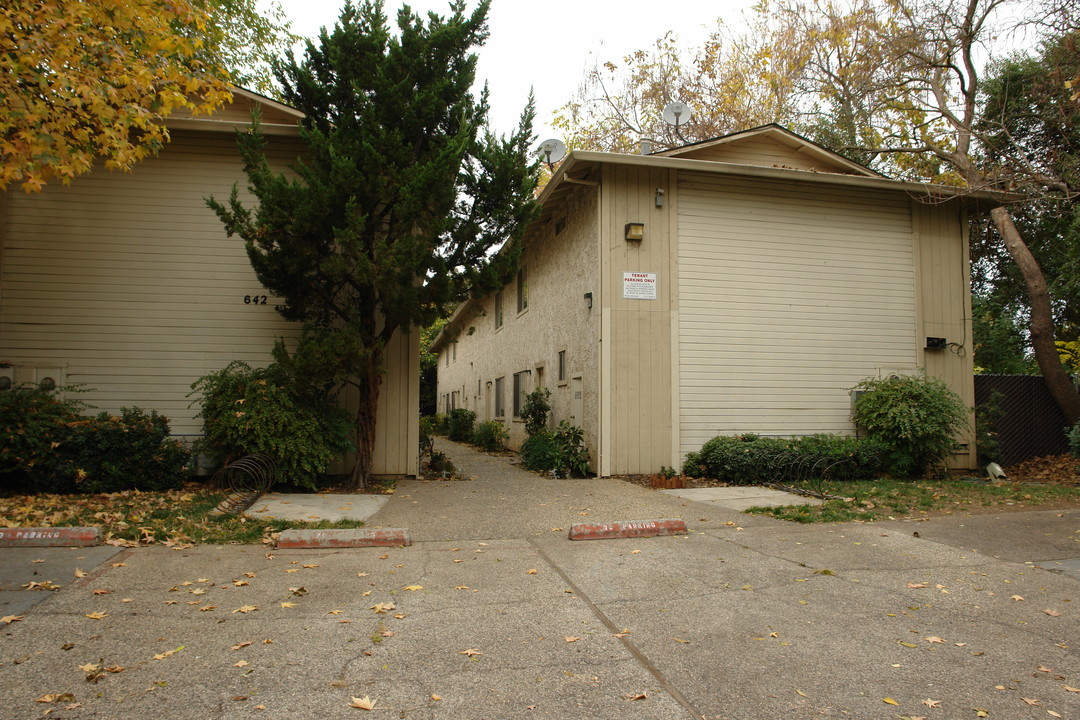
x: 550, y: 44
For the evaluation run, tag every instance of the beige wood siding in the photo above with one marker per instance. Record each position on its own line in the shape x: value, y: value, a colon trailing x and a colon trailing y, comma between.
x: 636, y: 365
x: 397, y: 427
x: 759, y: 151
x: 128, y: 282
x: 944, y: 294
x: 790, y: 294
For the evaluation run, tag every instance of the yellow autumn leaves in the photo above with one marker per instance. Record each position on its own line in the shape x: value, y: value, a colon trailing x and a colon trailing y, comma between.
x: 87, y: 81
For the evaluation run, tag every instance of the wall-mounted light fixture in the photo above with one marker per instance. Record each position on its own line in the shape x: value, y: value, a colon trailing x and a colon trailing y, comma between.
x: 588, y: 300
x: 659, y: 197
x: 635, y: 231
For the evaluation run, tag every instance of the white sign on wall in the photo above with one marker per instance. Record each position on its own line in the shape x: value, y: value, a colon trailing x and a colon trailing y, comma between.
x: 639, y: 286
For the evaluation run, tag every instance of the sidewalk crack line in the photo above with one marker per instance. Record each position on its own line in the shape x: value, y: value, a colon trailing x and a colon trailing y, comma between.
x: 638, y: 655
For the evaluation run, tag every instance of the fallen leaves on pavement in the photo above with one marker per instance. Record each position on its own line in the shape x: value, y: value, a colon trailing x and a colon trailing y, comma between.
x: 364, y: 703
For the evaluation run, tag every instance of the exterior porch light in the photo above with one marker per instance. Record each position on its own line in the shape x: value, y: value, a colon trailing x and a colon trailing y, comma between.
x: 635, y: 231
x: 588, y: 300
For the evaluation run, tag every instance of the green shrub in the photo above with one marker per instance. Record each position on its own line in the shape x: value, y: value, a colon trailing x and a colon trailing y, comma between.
x: 49, y: 446
x: 750, y: 460
x: 562, y: 452
x: 844, y: 457
x: 539, y: 451
x: 266, y: 410
x: 490, y: 436
x: 535, y: 411
x: 130, y: 451
x: 33, y: 420
x: 915, y: 417
x: 440, y: 424
x: 1074, y: 440
x: 427, y: 435
x: 737, y: 460
x: 460, y: 425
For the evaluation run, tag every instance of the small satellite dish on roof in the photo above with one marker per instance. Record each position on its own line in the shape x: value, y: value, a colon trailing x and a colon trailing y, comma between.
x: 552, y: 151
x: 677, y: 113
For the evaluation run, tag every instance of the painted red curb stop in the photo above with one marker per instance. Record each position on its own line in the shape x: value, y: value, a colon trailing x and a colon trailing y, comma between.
x: 630, y: 529
x: 50, y: 537
x: 343, y: 538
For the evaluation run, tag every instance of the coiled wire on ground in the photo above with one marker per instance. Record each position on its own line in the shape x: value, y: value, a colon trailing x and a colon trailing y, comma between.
x: 805, y: 474
x: 243, y: 481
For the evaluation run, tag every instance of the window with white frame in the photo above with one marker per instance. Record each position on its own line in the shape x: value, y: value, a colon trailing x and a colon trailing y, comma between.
x: 498, y: 309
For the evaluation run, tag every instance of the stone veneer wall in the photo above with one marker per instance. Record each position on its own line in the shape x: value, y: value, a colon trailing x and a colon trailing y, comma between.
x: 561, y: 269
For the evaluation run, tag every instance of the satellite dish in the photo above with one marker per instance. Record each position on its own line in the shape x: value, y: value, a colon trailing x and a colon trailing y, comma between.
x: 677, y: 113
x: 552, y: 151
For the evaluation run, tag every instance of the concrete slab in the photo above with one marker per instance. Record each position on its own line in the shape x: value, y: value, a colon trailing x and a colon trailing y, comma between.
x: 1069, y: 567
x: 742, y: 497
x: 754, y: 621
x: 312, y: 507
x: 20, y: 566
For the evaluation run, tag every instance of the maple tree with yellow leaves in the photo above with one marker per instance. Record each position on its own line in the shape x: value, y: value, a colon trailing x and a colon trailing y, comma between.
x: 83, y: 81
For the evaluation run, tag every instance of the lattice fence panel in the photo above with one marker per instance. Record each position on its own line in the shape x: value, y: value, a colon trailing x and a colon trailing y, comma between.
x: 1031, y: 424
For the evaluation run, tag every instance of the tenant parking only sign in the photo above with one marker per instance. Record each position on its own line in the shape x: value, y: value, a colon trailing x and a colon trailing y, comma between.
x: 639, y: 286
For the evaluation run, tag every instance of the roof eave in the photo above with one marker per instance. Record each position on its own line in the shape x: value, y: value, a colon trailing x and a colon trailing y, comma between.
x: 760, y: 171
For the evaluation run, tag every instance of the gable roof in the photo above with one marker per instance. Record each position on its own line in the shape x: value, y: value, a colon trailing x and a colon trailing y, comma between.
x: 770, y: 145
x: 275, y: 118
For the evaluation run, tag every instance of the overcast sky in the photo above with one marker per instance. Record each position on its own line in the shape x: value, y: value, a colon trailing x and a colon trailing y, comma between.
x: 549, y: 45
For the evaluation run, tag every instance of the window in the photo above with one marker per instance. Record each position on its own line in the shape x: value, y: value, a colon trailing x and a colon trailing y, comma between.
x: 521, y: 381
x: 522, y: 290
x: 498, y: 309
x: 500, y: 407
x: 562, y: 366
x: 446, y: 350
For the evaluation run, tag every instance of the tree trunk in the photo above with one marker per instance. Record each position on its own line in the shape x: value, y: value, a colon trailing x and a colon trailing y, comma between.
x: 1042, y: 318
x: 370, y: 382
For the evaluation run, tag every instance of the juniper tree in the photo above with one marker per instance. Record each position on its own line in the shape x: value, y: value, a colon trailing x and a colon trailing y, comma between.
x: 400, y: 201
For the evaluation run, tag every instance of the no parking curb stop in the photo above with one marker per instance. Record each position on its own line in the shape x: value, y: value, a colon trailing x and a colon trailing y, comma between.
x: 627, y: 529
x: 318, y: 539
x: 50, y: 537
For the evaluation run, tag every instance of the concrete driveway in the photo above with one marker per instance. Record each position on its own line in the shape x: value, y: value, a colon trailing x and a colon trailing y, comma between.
x: 493, y: 613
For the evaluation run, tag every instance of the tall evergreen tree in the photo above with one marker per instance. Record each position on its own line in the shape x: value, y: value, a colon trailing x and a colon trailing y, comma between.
x: 400, y: 202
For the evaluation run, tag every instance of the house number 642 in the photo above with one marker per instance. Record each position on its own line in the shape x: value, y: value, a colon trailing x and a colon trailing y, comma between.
x: 254, y: 299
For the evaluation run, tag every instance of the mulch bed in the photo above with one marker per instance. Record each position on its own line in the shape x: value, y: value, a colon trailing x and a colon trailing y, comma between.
x: 1049, y: 470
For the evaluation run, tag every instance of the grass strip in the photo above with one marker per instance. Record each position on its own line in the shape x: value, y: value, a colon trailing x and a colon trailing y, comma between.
x: 173, y: 517
x: 886, y: 498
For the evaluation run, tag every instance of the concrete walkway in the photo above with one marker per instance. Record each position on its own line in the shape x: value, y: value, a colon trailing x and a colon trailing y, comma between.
x: 494, y: 614
x: 312, y: 507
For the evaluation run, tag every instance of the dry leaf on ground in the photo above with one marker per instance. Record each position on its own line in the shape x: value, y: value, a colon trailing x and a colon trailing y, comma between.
x: 364, y: 703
